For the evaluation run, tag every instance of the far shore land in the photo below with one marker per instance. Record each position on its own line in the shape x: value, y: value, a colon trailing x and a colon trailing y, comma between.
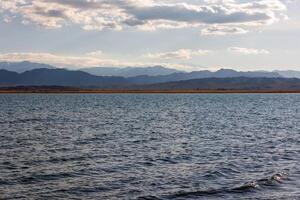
x: 118, y: 91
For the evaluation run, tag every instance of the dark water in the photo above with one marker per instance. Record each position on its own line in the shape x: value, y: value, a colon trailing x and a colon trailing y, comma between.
x: 150, y: 146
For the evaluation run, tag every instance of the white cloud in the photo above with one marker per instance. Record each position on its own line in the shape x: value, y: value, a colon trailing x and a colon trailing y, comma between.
x: 7, y: 19
x: 147, y: 15
x: 247, y: 51
x: 74, y: 62
x: 179, y: 54
x: 57, y: 60
x: 95, y: 53
x: 223, y: 30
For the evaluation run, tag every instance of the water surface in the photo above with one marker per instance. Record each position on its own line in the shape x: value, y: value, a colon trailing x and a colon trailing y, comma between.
x: 144, y: 146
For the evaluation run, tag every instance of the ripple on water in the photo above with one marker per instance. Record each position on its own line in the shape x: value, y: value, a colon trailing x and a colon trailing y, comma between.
x: 239, y: 146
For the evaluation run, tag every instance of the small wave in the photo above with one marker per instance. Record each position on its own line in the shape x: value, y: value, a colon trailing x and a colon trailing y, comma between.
x: 45, y: 177
x: 167, y: 160
x: 83, y: 190
x: 272, y: 180
x: 24, y: 121
x: 245, y: 187
x: 149, y: 198
x: 251, y: 186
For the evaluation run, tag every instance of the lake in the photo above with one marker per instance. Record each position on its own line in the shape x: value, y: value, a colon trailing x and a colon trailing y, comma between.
x: 150, y: 146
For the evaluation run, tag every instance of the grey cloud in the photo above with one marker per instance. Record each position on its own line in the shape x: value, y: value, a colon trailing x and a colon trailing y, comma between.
x: 99, y: 14
x: 50, y: 13
x: 222, y: 30
x: 204, y: 15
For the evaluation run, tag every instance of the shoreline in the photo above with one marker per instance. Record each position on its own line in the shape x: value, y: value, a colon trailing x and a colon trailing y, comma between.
x: 96, y: 91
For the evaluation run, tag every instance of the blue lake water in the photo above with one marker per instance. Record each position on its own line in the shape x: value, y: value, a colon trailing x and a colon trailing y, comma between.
x: 152, y: 146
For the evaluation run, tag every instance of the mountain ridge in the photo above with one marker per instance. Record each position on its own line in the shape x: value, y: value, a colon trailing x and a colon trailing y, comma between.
x: 68, y: 78
x: 58, y: 77
x: 157, y: 70
x: 130, y: 71
x: 222, y: 73
x: 234, y: 83
x: 23, y: 66
x: 289, y: 73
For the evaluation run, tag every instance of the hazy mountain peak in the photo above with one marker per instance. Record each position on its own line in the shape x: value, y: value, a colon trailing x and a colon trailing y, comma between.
x: 130, y: 71
x: 226, y: 70
x: 63, y: 77
x: 23, y: 66
x: 288, y: 73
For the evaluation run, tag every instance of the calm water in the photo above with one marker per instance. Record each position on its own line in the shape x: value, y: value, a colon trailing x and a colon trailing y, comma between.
x: 150, y: 146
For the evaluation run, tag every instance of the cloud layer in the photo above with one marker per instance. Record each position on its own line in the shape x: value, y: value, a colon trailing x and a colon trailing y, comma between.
x: 73, y: 62
x: 59, y: 60
x: 248, y: 51
x: 218, y: 17
x: 223, y: 30
x: 179, y: 54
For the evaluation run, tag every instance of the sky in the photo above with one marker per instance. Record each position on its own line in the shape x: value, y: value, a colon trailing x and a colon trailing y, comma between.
x: 183, y: 34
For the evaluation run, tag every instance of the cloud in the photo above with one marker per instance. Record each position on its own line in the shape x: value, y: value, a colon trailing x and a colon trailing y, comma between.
x: 248, y: 51
x: 179, y: 54
x: 7, y: 19
x: 223, y: 30
x: 58, y: 60
x: 94, y: 53
x: 147, y: 14
x: 74, y: 62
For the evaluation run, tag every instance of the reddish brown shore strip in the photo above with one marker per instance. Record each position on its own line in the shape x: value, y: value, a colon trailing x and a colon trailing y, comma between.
x: 95, y: 91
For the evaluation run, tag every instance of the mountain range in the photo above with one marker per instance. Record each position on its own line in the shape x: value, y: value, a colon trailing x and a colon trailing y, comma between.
x: 24, y: 66
x: 289, y: 73
x: 235, y: 83
x: 222, y: 73
x: 58, y: 77
x: 162, y: 73
x: 130, y: 71
x: 213, y: 80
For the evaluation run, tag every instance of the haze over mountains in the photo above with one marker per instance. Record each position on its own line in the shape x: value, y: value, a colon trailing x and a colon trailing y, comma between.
x: 221, y: 79
x: 33, y: 74
x: 130, y: 71
x: 57, y: 77
x: 235, y: 83
x: 24, y: 66
x: 161, y: 71
x: 222, y: 73
x: 289, y: 73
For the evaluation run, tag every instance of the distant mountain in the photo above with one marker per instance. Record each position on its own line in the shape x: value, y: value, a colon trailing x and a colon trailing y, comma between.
x: 289, y: 73
x: 222, y: 73
x: 160, y: 74
x: 236, y: 83
x: 130, y: 71
x: 21, y: 67
x: 156, y: 74
x: 225, y: 73
x: 8, y: 77
x: 67, y: 78
x: 58, y: 77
